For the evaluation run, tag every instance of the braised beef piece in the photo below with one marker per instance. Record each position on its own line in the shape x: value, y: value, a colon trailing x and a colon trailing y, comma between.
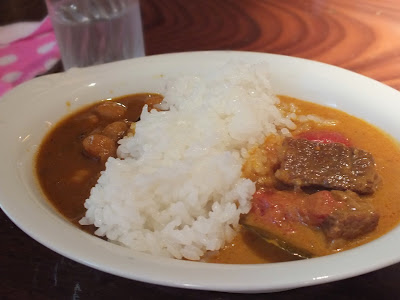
x: 307, y: 163
x: 356, y: 218
x: 309, y: 225
x: 282, y: 218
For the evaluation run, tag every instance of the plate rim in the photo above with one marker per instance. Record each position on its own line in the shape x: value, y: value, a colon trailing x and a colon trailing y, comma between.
x: 40, y: 85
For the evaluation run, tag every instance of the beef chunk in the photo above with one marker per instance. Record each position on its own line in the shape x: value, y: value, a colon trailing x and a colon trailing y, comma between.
x: 309, y: 225
x: 278, y: 218
x: 356, y: 218
x: 307, y: 163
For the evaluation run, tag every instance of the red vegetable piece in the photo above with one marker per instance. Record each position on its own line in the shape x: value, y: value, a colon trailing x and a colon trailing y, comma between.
x: 318, y: 207
x: 277, y: 208
x: 323, y: 136
x: 285, y: 209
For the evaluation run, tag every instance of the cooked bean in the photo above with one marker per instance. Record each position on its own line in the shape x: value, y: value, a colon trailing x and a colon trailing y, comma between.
x: 99, y: 146
x: 93, y: 119
x: 80, y: 175
x: 111, y: 110
x: 115, y: 130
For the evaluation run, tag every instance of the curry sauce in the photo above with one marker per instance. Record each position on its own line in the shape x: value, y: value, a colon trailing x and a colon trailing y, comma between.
x: 67, y: 173
x: 245, y: 248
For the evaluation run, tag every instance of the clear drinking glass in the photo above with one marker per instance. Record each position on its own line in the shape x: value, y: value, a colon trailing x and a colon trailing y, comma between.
x: 91, y: 32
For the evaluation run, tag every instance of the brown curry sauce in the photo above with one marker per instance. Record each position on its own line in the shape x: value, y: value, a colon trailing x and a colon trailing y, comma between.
x: 66, y: 174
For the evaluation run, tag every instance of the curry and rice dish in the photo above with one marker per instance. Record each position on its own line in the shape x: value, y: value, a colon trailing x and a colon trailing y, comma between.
x: 229, y: 175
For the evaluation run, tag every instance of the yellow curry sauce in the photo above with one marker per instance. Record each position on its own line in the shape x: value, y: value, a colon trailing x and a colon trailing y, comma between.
x: 66, y: 175
x: 247, y: 248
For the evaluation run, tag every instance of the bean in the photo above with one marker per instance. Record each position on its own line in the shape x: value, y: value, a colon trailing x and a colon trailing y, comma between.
x: 99, y: 146
x: 80, y: 175
x: 111, y: 110
x: 115, y: 130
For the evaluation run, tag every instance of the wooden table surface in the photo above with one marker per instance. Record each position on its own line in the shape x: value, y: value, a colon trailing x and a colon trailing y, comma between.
x: 359, y: 35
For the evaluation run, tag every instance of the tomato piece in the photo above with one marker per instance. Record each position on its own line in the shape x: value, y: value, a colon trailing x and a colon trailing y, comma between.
x: 288, y: 209
x: 325, y: 137
x: 277, y: 208
x: 318, y: 207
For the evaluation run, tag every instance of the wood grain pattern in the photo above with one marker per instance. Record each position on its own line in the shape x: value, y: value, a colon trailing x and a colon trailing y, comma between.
x: 362, y: 36
x: 359, y: 35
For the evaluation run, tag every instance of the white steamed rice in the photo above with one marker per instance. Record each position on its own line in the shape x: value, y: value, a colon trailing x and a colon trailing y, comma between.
x: 176, y: 189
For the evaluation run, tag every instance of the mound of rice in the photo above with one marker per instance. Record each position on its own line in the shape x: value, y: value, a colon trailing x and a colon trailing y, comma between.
x: 176, y: 189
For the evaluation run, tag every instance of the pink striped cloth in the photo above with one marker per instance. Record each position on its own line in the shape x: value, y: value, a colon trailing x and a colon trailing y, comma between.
x: 26, y: 50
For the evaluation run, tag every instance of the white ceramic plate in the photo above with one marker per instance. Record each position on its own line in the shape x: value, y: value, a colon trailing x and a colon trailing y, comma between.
x: 27, y: 112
